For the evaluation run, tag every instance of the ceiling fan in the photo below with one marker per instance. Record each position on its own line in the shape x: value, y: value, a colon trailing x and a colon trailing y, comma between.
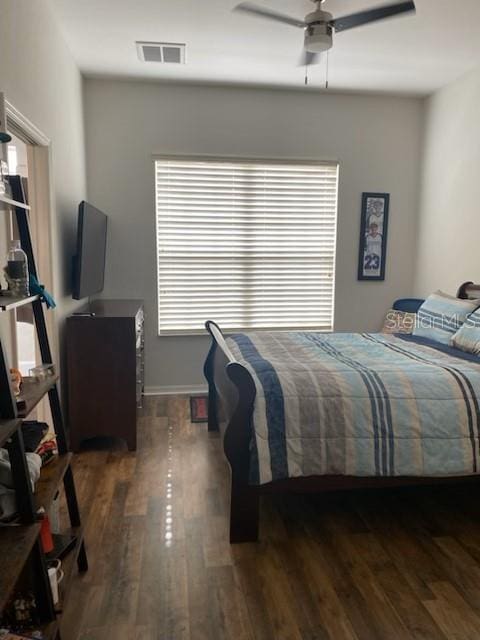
x: 320, y: 25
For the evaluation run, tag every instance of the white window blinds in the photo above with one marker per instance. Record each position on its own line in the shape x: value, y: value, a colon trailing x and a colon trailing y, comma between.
x: 250, y: 245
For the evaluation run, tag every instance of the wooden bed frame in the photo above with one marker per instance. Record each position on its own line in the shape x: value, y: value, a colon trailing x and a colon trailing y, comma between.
x: 231, y: 396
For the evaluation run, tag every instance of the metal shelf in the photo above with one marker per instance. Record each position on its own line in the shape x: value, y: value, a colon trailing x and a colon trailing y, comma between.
x: 51, y: 477
x: 11, y: 302
x: 8, y: 428
x: 16, y: 544
x: 13, y: 203
x: 31, y: 392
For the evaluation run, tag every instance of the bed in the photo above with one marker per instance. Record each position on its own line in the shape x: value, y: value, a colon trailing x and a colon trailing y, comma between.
x: 305, y: 411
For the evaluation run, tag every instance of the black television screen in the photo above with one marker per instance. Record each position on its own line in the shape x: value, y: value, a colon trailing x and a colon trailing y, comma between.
x: 89, y: 261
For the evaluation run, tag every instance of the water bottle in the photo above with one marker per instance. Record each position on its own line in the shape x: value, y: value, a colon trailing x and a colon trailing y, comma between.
x: 17, y: 269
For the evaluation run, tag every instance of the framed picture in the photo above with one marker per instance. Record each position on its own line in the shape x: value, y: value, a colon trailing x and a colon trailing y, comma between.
x: 372, y: 255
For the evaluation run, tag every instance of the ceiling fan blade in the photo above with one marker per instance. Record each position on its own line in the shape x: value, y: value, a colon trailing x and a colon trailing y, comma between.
x: 371, y: 15
x: 308, y: 57
x: 262, y: 12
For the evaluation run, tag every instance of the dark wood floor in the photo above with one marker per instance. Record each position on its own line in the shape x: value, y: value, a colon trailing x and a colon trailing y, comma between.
x: 392, y: 565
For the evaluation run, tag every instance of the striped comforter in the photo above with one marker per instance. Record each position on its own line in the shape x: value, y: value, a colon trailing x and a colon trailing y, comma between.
x: 359, y: 405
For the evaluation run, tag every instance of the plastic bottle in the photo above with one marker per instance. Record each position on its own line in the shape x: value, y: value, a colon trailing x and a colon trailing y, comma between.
x: 17, y: 269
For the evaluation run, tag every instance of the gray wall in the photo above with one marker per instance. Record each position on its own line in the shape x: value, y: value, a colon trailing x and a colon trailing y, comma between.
x: 377, y: 141
x: 448, y: 251
x: 40, y: 78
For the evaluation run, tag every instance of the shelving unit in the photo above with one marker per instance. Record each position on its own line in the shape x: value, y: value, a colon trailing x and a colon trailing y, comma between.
x: 19, y: 544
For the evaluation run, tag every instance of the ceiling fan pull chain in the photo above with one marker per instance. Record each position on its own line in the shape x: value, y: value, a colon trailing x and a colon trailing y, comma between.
x: 326, y: 77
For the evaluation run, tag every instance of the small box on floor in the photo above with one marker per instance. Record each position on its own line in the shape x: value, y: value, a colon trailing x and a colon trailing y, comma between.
x: 198, y: 408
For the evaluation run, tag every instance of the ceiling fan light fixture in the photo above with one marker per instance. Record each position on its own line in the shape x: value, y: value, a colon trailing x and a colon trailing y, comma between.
x: 318, y: 37
x: 318, y: 43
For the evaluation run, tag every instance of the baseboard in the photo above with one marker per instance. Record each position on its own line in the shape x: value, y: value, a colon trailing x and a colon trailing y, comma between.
x: 176, y: 390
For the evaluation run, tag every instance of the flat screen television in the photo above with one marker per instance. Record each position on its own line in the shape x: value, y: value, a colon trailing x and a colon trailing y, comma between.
x: 89, y: 261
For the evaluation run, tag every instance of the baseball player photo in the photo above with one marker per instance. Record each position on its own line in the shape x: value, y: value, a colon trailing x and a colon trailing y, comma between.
x: 373, y: 251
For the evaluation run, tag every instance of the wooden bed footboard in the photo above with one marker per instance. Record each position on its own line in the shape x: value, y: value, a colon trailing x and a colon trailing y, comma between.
x: 231, y: 395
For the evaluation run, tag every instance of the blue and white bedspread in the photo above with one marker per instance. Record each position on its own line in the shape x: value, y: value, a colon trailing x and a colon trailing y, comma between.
x: 360, y: 405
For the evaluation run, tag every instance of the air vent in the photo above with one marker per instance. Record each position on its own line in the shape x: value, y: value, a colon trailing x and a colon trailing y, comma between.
x: 164, y: 52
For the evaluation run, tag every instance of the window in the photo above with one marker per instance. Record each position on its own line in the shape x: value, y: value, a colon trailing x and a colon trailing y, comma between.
x: 250, y: 245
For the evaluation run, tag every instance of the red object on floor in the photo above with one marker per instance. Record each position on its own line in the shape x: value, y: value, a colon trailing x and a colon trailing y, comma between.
x: 198, y: 408
x: 46, y: 535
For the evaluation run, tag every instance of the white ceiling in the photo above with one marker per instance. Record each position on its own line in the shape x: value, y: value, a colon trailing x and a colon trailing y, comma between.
x: 412, y: 54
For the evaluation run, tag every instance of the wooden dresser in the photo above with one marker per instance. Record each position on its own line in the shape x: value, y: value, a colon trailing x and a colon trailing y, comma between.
x: 105, y: 365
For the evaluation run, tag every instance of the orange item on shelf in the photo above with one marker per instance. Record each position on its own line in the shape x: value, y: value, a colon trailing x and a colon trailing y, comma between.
x: 16, y: 379
x: 46, y: 535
